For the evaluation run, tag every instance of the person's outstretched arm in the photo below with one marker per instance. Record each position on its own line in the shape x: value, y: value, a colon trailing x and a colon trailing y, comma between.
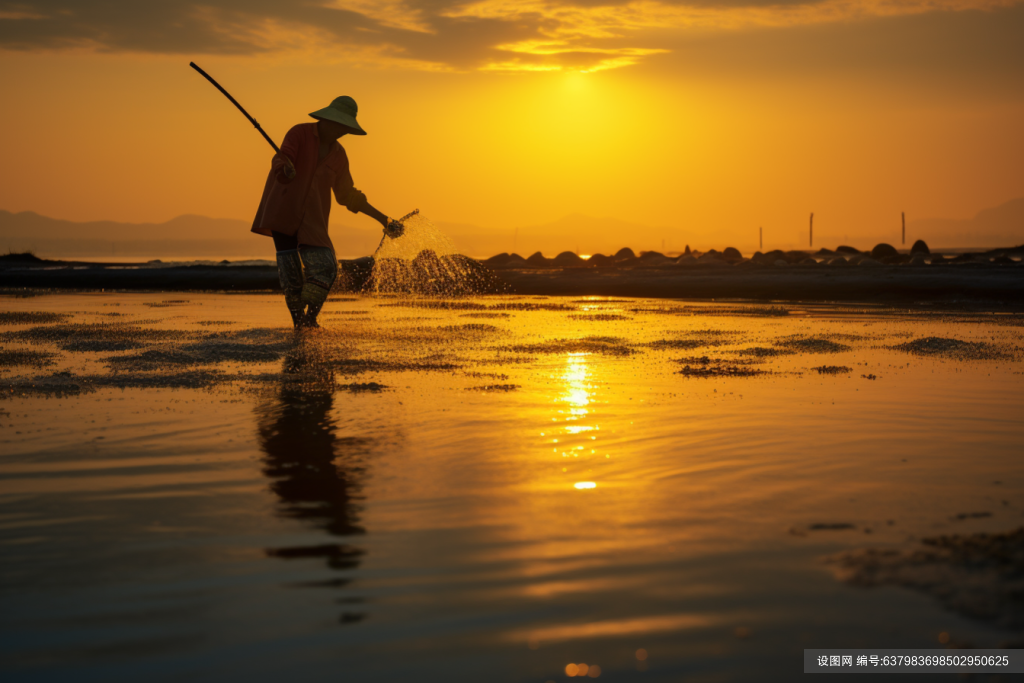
x: 392, y: 227
x: 355, y: 201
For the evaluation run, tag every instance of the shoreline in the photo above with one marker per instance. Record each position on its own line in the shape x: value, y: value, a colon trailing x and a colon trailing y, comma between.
x: 960, y: 284
x: 948, y: 283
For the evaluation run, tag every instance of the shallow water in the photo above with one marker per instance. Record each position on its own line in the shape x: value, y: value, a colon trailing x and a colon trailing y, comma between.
x: 486, y: 489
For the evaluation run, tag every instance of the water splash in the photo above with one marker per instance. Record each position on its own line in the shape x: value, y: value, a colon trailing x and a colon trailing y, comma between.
x: 424, y: 261
x: 420, y: 235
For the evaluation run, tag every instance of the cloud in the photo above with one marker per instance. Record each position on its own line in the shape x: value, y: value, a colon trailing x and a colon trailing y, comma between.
x: 389, y: 13
x: 541, y: 55
x: 488, y: 35
x: 614, y: 20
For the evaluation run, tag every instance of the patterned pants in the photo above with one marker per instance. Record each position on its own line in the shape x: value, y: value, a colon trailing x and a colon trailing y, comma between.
x: 306, y: 274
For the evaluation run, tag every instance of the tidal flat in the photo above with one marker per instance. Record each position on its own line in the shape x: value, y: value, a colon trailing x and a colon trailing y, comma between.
x: 500, y: 488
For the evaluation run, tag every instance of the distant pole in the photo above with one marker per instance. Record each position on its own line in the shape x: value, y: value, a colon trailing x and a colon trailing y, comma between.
x: 812, y: 229
x: 760, y: 239
x: 903, y: 215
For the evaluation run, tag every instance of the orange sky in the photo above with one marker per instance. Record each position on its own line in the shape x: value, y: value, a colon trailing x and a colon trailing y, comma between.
x: 709, y: 118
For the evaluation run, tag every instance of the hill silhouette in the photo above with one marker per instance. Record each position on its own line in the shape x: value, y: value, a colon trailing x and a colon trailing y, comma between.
x: 1000, y: 225
x: 186, y: 236
x: 191, y: 236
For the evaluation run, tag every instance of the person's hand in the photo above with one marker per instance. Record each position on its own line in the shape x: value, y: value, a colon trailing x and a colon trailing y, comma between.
x: 394, y: 229
x: 287, y: 172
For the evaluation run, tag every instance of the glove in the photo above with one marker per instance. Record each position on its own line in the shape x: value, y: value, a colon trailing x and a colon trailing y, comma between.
x: 356, y: 201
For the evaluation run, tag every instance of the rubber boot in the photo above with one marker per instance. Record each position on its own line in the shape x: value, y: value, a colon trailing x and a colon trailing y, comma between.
x: 298, y: 317
x: 321, y: 269
x: 309, y: 319
x: 289, y: 271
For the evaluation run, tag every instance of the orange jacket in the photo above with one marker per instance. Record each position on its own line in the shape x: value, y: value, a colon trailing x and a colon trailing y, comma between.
x: 302, y: 206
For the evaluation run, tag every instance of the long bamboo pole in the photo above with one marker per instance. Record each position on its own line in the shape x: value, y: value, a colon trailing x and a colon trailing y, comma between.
x: 253, y: 121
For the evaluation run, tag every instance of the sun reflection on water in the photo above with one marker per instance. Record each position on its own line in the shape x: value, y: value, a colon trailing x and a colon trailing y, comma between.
x: 577, y: 390
x: 576, y: 414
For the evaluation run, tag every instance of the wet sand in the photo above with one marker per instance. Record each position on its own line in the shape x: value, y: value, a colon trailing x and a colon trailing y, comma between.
x: 499, y: 487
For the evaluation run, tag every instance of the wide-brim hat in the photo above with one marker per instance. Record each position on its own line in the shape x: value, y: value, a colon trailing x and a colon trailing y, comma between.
x: 342, y: 110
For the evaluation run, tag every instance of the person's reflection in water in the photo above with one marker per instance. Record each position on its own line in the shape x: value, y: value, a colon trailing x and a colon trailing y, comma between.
x: 314, y: 472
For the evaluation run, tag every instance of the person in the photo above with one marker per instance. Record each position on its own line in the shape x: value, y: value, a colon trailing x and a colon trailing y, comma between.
x: 296, y: 205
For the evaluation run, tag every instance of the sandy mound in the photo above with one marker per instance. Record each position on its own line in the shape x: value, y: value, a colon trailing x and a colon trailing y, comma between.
x: 704, y: 367
x: 832, y: 369
x: 977, y: 575
x: 31, y: 317
x: 953, y: 348
x: 95, y: 336
x: 812, y: 345
x: 609, y: 346
x: 10, y: 358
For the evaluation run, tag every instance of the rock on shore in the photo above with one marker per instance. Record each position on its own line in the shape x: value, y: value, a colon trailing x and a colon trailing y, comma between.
x: 845, y: 274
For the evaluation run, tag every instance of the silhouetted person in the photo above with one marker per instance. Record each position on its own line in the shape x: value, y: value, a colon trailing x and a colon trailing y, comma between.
x: 296, y: 205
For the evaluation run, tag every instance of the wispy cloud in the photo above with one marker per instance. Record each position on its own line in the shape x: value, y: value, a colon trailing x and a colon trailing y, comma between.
x: 489, y: 35
x: 389, y: 13
x: 571, y: 30
x: 614, y: 20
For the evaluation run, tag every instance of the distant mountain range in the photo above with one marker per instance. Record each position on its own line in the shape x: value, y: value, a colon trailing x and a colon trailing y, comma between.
x: 187, y: 236
x: 193, y: 237
x: 997, y: 227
